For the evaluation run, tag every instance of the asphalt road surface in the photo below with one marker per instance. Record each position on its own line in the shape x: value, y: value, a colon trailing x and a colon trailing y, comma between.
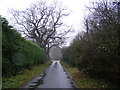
x: 55, y: 77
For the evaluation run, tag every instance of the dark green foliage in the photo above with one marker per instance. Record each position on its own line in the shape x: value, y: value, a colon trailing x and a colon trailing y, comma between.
x: 17, y: 53
x: 96, y: 51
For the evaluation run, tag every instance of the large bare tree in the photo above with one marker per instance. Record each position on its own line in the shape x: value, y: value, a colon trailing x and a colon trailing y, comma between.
x: 42, y: 23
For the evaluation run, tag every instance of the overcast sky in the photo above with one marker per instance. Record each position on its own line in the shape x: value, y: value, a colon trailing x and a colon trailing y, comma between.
x: 77, y: 7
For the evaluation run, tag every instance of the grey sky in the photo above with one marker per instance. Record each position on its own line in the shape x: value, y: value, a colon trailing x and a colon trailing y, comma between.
x: 77, y: 7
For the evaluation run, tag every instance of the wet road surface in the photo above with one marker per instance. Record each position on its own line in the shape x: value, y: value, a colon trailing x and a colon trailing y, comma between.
x: 55, y: 77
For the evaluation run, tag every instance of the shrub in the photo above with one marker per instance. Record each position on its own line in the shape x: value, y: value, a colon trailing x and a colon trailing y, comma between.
x: 18, y: 53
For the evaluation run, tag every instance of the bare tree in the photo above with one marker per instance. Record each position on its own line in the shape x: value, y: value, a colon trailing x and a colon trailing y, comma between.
x: 42, y: 23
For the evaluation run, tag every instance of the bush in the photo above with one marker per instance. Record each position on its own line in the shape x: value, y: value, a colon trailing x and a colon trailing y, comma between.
x: 96, y: 50
x: 18, y: 53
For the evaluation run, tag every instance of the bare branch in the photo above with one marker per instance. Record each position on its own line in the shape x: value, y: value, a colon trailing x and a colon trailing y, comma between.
x: 41, y: 22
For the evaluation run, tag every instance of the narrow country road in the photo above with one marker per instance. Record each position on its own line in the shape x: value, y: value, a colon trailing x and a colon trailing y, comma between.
x: 54, y: 77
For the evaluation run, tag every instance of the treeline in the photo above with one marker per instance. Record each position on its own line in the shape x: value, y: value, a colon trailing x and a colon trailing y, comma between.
x: 96, y: 51
x: 18, y: 53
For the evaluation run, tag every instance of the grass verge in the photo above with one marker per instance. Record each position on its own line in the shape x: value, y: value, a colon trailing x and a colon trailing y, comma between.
x: 19, y: 80
x: 83, y: 81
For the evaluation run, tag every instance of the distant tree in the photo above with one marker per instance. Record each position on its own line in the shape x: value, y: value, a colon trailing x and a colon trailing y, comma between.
x: 55, y: 53
x: 42, y: 23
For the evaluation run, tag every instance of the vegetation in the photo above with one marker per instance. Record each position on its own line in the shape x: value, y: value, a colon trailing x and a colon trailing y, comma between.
x: 20, y: 80
x: 42, y: 23
x: 95, y: 52
x: 83, y: 81
x: 18, y: 53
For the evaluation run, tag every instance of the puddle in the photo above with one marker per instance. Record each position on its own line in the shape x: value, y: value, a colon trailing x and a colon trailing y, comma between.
x: 34, y: 82
x: 33, y: 86
x: 37, y: 83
